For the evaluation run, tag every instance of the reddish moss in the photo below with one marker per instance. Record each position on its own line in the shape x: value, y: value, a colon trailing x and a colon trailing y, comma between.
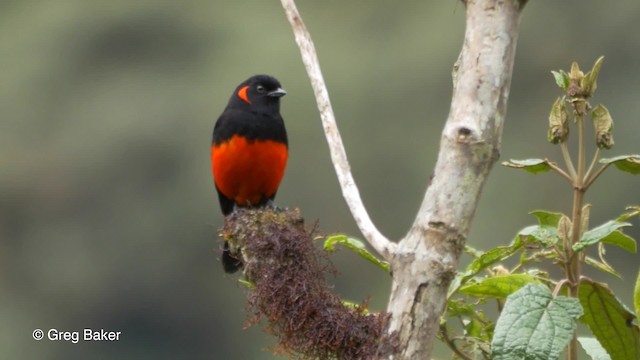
x: 291, y: 294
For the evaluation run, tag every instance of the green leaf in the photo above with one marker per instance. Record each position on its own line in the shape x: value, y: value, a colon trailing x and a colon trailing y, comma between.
x: 459, y: 307
x: 607, y: 233
x: 355, y: 245
x: 497, y: 286
x: 355, y: 306
x: 482, y: 262
x: 589, y: 82
x: 534, y: 325
x: 534, y: 166
x: 627, y: 163
x: 562, y: 79
x: 593, y: 348
x: 631, y: 212
x: 248, y: 284
x: 544, y: 235
x: 604, y: 267
x: 621, y: 240
x: 609, y: 320
x: 475, y: 253
x: 636, y: 296
x: 474, y: 328
x: 547, y: 218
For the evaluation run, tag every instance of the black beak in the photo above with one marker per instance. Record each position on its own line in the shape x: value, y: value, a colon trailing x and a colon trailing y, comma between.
x: 279, y: 92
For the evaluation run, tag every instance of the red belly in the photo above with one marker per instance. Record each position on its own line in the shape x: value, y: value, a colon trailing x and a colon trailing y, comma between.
x: 248, y: 171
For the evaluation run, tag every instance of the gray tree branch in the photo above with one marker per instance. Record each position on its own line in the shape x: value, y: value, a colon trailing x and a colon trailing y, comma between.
x: 338, y: 155
x: 426, y: 259
x: 424, y: 262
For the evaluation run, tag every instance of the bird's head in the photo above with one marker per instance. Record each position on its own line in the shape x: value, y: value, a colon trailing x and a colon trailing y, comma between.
x: 260, y: 91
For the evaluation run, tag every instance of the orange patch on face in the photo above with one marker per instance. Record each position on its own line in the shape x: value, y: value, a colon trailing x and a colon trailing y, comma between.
x: 248, y: 171
x: 242, y: 94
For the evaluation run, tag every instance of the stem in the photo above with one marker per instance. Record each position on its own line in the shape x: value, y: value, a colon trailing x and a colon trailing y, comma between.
x: 573, y: 268
x: 567, y: 159
x: 595, y: 176
x: 558, y: 288
x: 596, y: 157
x: 561, y: 172
x: 452, y: 344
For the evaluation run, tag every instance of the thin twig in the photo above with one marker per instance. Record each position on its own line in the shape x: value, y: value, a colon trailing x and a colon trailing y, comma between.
x: 559, y: 170
x: 558, y: 287
x: 350, y: 191
x: 596, y: 157
x: 593, y: 178
x: 567, y: 159
x: 452, y: 344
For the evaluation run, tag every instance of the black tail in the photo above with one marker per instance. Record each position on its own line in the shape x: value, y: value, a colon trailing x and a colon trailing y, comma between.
x: 231, y: 263
x: 226, y: 205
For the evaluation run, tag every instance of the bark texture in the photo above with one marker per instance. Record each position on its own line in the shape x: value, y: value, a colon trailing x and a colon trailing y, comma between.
x: 425, y: 260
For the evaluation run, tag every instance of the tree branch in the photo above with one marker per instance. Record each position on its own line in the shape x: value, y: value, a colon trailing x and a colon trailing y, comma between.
x: 424, y: 262
x: 427, y: 257
x: 339, y: 159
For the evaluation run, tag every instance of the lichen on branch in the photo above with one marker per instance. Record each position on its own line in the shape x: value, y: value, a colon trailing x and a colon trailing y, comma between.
x: 290, y: 292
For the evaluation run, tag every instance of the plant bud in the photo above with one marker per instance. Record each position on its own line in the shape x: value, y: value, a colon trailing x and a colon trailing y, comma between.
x: 575, y: 78
x: 558, y: 122
x: 564, y: 229
x: 603, y: 125
x: 589, y: 82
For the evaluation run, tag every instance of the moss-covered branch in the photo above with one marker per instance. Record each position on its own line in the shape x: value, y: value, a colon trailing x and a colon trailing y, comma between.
x: 291, y: 294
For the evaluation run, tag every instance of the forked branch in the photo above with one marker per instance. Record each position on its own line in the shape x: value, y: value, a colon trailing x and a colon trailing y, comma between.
x: 339, y: 159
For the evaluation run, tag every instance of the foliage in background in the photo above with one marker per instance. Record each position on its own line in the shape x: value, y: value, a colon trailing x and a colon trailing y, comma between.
x: 107, y: 110
x: 538, y: 315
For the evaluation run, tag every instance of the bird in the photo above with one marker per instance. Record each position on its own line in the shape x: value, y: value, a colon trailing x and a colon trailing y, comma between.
x: 249, y: 150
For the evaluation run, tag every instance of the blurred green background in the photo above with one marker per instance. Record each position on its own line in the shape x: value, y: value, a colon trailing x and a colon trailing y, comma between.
x: 108, y: 214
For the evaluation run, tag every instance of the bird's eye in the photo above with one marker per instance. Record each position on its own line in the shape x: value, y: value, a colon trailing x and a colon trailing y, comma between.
x: 260, y: 89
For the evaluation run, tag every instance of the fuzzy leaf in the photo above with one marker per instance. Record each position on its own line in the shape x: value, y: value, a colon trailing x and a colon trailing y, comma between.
x: 621, y: 240
x: 626, y: 163
x: 355, y: 245
x: 482, y: 262
x: 601, y: 266
x: 497, y: 286
x: 458, y: 307
x: 589, y: 82
x: 603, y: 126
x: 607, y: 233
x: 534, y: 166
x: 631, y: 212
x: 544, y: 235
x: 562, y: 79
x: 593, y: 348
x: 534, y: 325
x: 609, y: 320
x: 548, y: 218
x: 558, y: 122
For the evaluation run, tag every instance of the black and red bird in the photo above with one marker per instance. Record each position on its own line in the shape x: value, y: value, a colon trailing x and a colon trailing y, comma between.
x: 249, y: 150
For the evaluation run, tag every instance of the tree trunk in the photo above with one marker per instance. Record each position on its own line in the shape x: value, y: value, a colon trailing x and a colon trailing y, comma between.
x: 425, y: 261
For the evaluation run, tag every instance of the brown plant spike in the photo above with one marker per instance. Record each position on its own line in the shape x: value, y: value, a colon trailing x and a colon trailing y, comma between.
x: 291, y: 293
